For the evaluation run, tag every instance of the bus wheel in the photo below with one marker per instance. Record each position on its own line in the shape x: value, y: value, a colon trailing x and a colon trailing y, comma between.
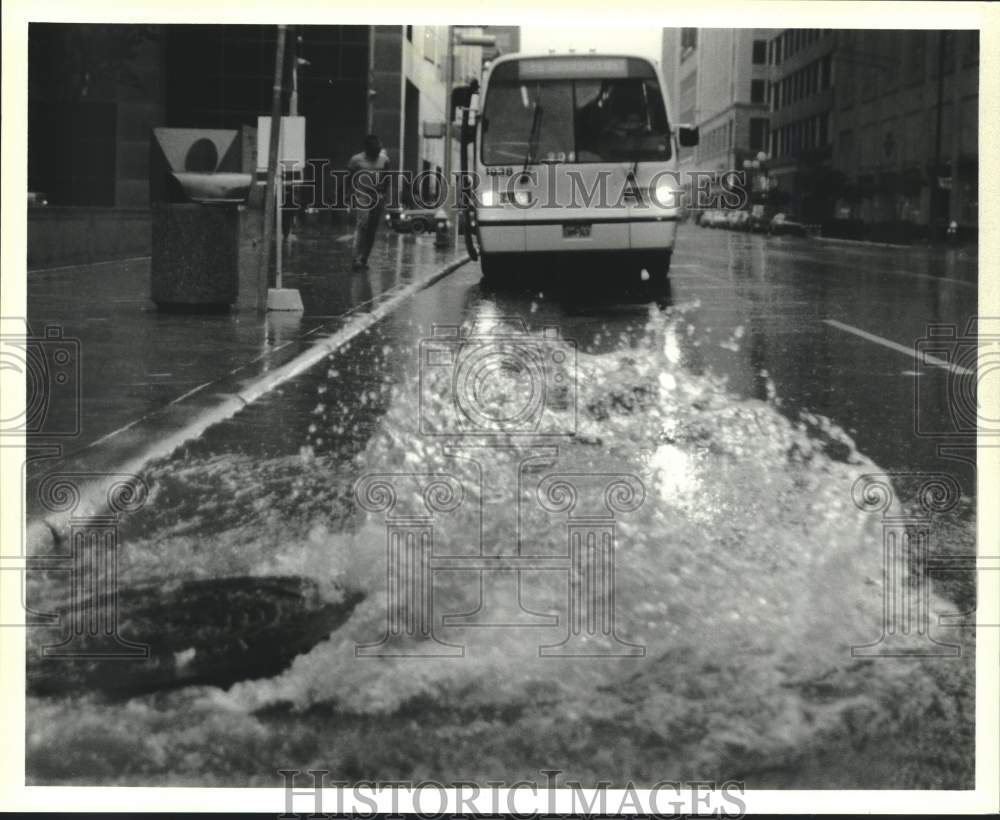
x: 492, y: 268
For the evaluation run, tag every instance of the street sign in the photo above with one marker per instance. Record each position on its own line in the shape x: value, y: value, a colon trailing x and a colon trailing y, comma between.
x: 291, y: 144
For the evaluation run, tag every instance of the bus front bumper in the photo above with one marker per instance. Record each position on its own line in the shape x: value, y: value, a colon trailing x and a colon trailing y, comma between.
x: 511, y: 234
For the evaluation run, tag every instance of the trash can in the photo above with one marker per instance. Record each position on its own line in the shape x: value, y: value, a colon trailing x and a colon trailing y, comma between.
x: 207, y: 220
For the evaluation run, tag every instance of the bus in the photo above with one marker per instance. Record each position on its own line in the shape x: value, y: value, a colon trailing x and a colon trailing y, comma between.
x: 573, y: 155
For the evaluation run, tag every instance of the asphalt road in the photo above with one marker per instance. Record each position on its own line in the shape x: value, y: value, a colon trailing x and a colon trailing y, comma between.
x: 701, y: 443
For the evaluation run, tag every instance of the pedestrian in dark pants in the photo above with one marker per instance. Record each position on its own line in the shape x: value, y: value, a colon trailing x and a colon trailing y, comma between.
x: 369, y: 188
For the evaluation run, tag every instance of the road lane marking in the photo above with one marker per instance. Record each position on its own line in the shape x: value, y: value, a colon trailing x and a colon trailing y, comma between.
x: 909, y: 351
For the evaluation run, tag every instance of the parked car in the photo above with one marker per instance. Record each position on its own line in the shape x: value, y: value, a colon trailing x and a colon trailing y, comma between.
x: 411, y: 220
x: 738, y: 220
x: 783, y: 224
x: 712, y: 219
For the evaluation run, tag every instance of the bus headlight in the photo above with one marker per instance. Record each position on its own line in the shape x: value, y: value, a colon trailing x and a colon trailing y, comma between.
x: 489, y: 198
x: 666, y: 195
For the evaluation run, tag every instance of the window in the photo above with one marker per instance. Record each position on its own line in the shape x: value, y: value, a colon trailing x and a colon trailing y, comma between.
x: 611, y: 120
x: 777, y: 50
x: 427, y: 192
x: 825, y: 73
x: 915, y: 57
x: 759, y: 52
x: 689, y: 39
x: 972, y: 48
x: 72, y: 155
x: 757, y: 91
x: 409, y: 33
x: 758, y: 133
x: 430, y: 44
x: 949, y: 50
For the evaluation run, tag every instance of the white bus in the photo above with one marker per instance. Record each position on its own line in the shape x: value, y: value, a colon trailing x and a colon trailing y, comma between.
x: 575, y: 154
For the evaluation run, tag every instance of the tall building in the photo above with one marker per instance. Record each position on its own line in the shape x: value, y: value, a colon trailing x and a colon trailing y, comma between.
x: 801, y: 98
x: 875, y: 132
x: 907, y: 131
x: 410, y: 77
x: 717, y: 79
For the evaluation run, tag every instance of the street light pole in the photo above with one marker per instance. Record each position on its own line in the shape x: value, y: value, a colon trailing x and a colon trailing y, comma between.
x: 450, y: 87
x: 270, y: 195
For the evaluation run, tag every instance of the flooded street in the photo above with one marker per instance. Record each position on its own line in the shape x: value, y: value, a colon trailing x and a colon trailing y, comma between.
x: 601, y: 528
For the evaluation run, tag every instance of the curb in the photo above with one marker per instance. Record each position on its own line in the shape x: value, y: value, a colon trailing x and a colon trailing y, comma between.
x: 864, y: 243
x: 93, y: 494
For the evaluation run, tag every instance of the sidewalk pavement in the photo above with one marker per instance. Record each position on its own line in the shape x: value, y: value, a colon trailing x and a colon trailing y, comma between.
x: 147, y: 377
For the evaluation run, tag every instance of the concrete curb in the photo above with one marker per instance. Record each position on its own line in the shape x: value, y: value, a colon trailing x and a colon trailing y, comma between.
x: 863, y: 243
x: 93, y: 494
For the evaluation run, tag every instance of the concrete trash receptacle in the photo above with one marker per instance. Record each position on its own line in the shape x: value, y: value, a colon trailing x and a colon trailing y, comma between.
x: 206, y: 222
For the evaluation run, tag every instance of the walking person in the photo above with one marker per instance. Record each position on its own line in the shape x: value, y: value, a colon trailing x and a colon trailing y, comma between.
x: 369, y: 185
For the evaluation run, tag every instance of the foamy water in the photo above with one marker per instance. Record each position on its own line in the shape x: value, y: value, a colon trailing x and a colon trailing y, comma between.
x: 746, y: 570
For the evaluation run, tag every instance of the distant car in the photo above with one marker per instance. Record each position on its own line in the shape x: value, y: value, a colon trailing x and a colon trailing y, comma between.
x: 738, y: 220
x: 411, y: 220
x: 783, y: 224
x: 712, y: 219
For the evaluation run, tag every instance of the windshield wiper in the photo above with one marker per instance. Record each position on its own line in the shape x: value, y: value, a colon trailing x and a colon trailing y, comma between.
x: 645, y: 128
x: 536, y: 130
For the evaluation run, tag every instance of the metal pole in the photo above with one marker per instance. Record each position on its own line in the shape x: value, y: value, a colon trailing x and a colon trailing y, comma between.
x: 293, y: 101
x: 279, y: 190
x: 272, y: 169
x: 935, y: 199
x: 956, y: 118
x: 447, y: 108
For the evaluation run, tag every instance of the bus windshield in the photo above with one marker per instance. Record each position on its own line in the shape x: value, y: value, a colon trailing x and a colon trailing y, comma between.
x: 574, y: 120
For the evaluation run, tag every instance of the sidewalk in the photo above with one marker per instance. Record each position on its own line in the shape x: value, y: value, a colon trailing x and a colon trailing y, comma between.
x: 147, y: 377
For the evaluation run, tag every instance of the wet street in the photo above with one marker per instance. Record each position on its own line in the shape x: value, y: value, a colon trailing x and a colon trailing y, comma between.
x: 604, y: 529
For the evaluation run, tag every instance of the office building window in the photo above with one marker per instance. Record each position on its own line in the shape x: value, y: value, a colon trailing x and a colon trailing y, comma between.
x: 72, y: 154
x: 430, y: 44
x: 689, y: 39
x: 759, y: 52
x: 916, y: 57
x: 757, y: 91
x: 758, y: 133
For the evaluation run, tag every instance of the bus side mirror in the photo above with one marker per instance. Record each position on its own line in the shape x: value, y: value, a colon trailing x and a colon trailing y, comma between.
x: 687, y: 135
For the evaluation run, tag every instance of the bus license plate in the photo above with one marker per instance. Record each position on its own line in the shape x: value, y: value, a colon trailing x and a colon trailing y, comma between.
x: 576, y: 229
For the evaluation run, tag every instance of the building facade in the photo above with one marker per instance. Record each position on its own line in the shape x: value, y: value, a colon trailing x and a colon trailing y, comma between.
x: 97, y: 91
x: 801, y: 138
x: 717, y: 79
x: 875, y: 133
